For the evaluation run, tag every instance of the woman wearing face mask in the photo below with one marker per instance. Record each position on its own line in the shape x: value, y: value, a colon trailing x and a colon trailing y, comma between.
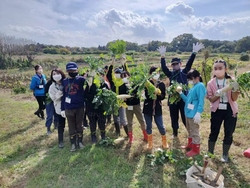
x: 134, y: 108
x: 179, y: 75
x: 223, y: 108
x: 194, y: 106
x: 72, y: 106
x: 55, y: 93
x: 37, y: 85
x: 119, y: 87
x: 153, y: 108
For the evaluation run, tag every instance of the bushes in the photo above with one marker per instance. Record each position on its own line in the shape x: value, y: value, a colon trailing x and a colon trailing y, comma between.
x: 244, y: 57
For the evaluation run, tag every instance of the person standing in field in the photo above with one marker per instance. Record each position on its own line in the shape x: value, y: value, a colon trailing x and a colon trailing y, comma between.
x: 153, y: 108
x: 37, y: 85
x: 223, y: 107
x: 72, y: 106
x: 194, y: 106
x: 179, y: 75
x: 56, y: 93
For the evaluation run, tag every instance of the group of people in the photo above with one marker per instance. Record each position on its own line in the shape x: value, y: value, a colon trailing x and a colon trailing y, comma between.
x: 72, y: 96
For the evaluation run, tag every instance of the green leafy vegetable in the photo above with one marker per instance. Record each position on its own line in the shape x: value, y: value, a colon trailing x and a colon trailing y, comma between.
x: 117, y: 48
x: 174, y: 96
x: 94, y: 63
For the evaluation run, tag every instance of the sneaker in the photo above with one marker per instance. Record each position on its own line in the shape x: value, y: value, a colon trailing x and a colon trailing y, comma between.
x: 73, y: 148
x: 37, y: 113
x: 81, y: 146
x: 61, y: 145
x: 224, y: 159
x: 48, y: 132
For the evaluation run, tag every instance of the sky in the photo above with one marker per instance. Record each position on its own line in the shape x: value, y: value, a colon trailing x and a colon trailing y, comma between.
x: 89, y: 23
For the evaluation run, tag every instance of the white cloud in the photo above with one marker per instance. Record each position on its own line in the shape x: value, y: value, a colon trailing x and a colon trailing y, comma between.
x: 180, y: 8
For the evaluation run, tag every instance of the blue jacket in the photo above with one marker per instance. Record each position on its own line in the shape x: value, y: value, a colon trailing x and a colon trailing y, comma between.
x: 73, y: 89
x: 196, y: 98
x: 37, y: 85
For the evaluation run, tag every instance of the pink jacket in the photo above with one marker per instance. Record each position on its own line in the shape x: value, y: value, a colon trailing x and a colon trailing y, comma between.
x: 211, y: 89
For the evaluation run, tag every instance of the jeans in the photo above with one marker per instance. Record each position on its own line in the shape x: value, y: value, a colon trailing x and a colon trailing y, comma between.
x: 158, y: 122
x: 50, y: 114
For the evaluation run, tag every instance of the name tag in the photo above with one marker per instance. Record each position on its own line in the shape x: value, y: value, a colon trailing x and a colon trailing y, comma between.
x: 222, y: 106
x: 190, y: 106
x: 130, y: 107
x: 40, y: 86
x: 68, y: 100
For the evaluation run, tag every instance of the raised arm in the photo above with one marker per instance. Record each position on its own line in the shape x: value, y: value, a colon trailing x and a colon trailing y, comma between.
x: 162, y: 50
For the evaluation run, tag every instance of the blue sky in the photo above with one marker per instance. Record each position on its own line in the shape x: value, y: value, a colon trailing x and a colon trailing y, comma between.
x: 89, y: 23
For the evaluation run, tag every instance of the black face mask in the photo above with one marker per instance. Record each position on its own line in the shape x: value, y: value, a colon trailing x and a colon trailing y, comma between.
x: 73, y: 74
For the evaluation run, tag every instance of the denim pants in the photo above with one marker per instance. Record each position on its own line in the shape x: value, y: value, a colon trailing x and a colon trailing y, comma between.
x: 158, y: 121
x: 50, y: 114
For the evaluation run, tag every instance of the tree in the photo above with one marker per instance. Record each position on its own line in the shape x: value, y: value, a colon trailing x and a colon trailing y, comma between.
x: 243, y: 44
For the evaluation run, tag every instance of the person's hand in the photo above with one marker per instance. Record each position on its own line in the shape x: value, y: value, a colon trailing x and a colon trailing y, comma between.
x: 197, y: 47
x: 179, y: 89
x: 219, y: 93
x: 235, y: 86
x: 59, y: 94
x: 197, y: 118
x: 63, y: 114
x: 162, y: 50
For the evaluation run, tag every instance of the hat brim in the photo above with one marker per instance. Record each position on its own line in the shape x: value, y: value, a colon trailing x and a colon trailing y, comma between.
x: 175, y: 62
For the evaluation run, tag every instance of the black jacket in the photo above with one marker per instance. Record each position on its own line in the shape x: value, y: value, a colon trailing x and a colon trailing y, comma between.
x: 154, y: 107
x: 135, y: 100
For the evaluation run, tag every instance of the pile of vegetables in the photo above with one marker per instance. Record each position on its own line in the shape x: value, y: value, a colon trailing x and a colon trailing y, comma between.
x: 139, y: 78
x: 117, y: 48
x: 94, y: 63
x: 244, y: 83
x: 174, y: 96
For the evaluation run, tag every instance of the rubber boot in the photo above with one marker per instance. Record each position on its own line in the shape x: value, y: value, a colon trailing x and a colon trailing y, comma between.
x: 150, y: 142
x: 189, y: 144
x: 195, y: 150
x: 48, y: 131
x: 145, y: 135
x: 73, y: 143
x: 125, y: 127
x: 103, y: 134
x: 80, y: 144
x: 60, y: 139
x: 38, y: 113
x: 164, y: 142
x: 175, y: 133
x: 93, y: 138
x: 42, y: 114
x: 131, y: 137
x: 225, y: 149
x: 117, y: 129
x: 211, y: 147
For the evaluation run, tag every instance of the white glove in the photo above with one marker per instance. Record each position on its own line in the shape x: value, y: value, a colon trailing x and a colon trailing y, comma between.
x: 219, y: 93
x: 162, y: 50
x: 90, y: 81
x: 63, y: 114
x: 179, y: 89
x: 123, y: 56
x: 235, y: 86
x: 197, y: 47
x: 59, y: 94
x: 197, y: 118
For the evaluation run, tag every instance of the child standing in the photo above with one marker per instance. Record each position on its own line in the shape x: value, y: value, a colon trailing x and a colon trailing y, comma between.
x: 194, y: 106
x: 223, y: 108
x: 73, y: 104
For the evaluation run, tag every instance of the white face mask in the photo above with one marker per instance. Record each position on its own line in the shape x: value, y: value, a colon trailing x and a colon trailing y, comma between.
x: 117, y: 75
x: 125, y: 80
x: 57, y: 77
x: 156, y: 76
x: 191, y: 82
x: 219, y: 73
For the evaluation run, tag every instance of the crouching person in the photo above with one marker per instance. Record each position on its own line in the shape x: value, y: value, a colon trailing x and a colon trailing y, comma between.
x: 73, y: 104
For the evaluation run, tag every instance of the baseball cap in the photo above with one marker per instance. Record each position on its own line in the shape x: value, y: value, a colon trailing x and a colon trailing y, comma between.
x: 175, y: 60
x: 71, y: 66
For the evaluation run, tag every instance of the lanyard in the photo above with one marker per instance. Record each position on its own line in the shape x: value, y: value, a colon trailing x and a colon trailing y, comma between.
x: 69, y: 86
x: 222, y: 87
x: 41, y: 78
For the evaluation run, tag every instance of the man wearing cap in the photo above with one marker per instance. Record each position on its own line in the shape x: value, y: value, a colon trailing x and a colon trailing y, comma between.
x: 73, y: 104
x: 179, y: 75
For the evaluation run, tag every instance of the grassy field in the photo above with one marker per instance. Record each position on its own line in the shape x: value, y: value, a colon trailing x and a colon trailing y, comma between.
x: 30, y: 158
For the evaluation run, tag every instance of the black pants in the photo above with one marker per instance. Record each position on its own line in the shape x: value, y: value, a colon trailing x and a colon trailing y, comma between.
x: 61, y: 126
x: 96, y: 118
x: 41, y: 102
x: 174, y: 114
x: 229, y: 125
